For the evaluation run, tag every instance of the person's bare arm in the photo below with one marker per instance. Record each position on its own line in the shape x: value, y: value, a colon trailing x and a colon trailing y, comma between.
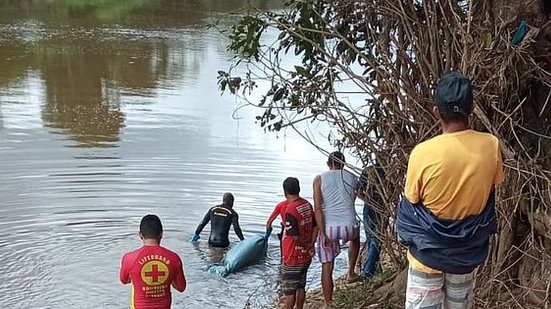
x: 272, y: 217
x: 362, y: 185
x: 318, y: 213
x: 360, y: 193
x: 315, y: 232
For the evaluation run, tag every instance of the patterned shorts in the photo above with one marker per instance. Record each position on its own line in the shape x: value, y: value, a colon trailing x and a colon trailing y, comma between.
x: 451, y: 291
x: 293, y: 278
x: 336, y: 234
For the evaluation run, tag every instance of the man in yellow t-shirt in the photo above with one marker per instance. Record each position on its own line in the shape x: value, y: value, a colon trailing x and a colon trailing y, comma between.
x: 451, y: 177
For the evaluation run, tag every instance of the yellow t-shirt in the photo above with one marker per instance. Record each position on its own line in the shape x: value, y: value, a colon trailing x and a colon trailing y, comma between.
x: 453, y: 175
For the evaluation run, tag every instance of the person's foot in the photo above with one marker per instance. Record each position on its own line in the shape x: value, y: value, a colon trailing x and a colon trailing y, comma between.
x: 327, y: 306
x: 352, y: 279
x: 366, y: 277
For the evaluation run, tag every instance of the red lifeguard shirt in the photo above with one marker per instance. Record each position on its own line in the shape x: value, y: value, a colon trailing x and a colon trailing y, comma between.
x: 152, y: 270
x: 299, y: 221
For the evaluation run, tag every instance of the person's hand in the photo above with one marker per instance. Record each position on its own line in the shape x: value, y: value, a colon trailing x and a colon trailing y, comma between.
x: 268, y: 233
x: 311, y: 250
x: 325, y: 241
x: 360, y: 193
x: 195, y: 238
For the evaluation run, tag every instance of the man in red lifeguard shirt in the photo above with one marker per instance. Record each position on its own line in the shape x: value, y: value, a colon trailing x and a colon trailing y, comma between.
x: 298, y: 242
x: 152, y: 269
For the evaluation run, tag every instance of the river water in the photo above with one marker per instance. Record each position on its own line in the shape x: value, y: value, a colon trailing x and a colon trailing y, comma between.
x: 109, y: 110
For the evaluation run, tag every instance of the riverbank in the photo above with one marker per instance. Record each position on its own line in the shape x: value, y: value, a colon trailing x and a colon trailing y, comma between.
x: 371, y: 294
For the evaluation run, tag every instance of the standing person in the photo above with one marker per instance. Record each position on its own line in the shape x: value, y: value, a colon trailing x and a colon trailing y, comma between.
x: 373, y: 201
x: 447, y: 213
x: 221, y: 217
x: 279, y: 210
x: 298, y: 241
x: 334, y: 196
x: 152, y: 269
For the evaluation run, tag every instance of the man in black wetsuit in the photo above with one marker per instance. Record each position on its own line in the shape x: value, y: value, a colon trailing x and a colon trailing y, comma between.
x: 221, y: 217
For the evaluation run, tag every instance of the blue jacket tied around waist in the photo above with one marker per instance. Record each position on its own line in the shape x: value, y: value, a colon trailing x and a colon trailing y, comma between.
x: 451, y: 246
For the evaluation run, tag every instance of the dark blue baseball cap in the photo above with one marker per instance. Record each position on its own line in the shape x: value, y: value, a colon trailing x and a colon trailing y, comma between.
x: 454, y: 93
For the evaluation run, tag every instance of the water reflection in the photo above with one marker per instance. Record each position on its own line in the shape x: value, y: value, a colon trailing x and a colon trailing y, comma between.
x: 135, y: 13
x: 80, y: 100
x: 87, y: 70
x: 107, y: 10
x: 85, y: 83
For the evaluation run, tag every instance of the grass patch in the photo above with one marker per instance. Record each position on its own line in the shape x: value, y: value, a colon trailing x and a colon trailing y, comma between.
x: 361, y: 295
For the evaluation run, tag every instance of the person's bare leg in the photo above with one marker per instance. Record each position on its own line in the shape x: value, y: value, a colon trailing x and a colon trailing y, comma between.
x: 353, y: 252
x: 327, y: 282
x: 300, y: 297
x: 289, y: 301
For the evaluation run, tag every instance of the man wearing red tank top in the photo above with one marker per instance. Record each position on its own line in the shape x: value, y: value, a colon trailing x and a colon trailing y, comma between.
x: 152, y: 269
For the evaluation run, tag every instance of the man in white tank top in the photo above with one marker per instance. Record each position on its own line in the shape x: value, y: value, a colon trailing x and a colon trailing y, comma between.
x: 334, y: 196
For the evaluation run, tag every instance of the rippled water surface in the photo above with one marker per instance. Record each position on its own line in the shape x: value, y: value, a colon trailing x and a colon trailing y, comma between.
x: 109, y: 110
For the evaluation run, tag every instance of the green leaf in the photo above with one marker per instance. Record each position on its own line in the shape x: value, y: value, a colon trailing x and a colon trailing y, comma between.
x: 301, y: 70
x: 278, y: 94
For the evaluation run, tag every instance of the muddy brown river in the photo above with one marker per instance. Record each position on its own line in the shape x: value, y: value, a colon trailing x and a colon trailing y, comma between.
x: 109, y: 110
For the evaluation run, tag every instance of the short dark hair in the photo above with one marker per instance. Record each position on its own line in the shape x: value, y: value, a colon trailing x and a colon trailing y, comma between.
x: 227, y: 199
x: 454, y: 97
x: 151, y: 227
x: 451, y: 116
x: 335, y: 158
x: 291, y: 186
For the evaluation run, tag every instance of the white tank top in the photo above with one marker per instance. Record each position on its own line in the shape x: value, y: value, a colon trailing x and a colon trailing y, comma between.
x: 338, y: 192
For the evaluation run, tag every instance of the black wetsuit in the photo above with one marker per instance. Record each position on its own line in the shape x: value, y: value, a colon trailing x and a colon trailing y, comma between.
x: 221, y: 218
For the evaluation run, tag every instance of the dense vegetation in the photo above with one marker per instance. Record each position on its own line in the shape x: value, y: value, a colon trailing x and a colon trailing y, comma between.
x: 392, y: 52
